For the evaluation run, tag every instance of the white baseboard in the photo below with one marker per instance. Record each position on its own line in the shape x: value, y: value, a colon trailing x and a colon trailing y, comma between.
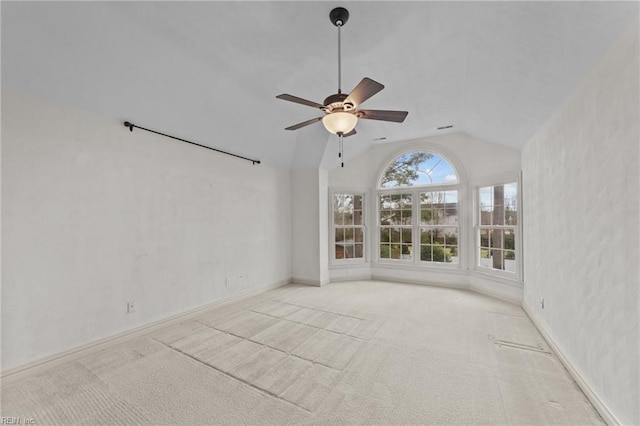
x: 304, y: 281
x: 457, y: 286
x: 366, y: 277
x: 495, y: 295
x: 597, y: 402
x: 37, y: 366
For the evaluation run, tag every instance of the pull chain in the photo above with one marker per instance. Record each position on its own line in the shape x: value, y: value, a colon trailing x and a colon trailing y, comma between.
x: 341, y: 149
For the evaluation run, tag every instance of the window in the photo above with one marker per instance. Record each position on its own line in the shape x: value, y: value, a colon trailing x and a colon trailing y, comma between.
x: 439, y: 226
x: 348, y: 226
x: 396, y: 226
x: 498, y: 222
x: 418, y: 210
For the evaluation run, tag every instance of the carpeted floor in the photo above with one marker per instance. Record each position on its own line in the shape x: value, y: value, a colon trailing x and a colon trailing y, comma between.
x: 348, y: 353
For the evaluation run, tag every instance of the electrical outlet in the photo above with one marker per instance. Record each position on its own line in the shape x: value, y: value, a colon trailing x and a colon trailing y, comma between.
x: 131, y: 307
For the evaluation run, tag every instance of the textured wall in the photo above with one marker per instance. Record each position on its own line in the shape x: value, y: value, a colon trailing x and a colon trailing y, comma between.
x: 581, y: 186
x: 94, y: 216
x: 310, y: 226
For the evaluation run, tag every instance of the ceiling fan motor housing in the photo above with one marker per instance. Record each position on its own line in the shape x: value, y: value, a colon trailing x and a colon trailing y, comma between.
x: 336, y: 102
x: 339, y: 16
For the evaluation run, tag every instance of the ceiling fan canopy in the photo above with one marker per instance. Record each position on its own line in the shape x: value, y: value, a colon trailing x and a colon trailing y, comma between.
x: 341, y: 111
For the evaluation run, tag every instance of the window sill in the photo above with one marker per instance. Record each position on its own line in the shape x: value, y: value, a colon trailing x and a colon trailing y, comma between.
x: 417, y: 267
x: 343, y: 264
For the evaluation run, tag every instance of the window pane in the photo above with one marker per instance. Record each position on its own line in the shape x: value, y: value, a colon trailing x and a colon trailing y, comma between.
x: 358, y: 235
x: 339, y: 235
x: 497, y: 259
x: 385, y: 235
x: 454, y: 254
x: 357, y: 202
x: 385, y: 217
x: 438, y: 236
x: 348, y: 234
x: 348, y: 251
x: 348, y: 217
x: 451, y: 237
x: 395, y: 235
x: 426, y: 253
x: 426, y: 236
x: 425, y: 216
x: 486, y: 213
x: 451, y: 216
x: 510, y: 260
x: 395, y: 251
x: 484, y: 238
x: 406, y: 217
x: 418, y: 168
x: 486, y: 196
x: 496, y: 238
x: 406, y: 235
x: 425, y: 199
x: 385, y: 251
x: 357, y: 217
x: 509, y: 239
x: 359, y: 251
x: 339, y: 251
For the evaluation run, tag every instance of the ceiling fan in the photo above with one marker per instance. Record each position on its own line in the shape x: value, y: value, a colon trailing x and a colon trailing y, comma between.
x: 341, y: 111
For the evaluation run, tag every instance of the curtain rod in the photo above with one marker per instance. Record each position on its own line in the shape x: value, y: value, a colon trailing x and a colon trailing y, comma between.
x: 131, y: 126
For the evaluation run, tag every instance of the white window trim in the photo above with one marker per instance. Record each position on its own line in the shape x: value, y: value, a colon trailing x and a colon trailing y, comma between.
x: 333, y: 262
x: 502, y: 179
x: 459, y: 186
x: 415, y: 226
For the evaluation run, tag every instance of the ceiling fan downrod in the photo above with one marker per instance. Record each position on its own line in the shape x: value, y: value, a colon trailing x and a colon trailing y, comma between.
x: 339, y: 16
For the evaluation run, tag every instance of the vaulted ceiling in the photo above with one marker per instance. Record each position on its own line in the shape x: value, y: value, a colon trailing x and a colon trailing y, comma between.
x: 210, y: 71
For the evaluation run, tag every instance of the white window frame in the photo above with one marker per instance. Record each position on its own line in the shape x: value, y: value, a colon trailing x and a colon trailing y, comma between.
x: 416, y: 214
x: 332, y: 228
x: 503, y: 179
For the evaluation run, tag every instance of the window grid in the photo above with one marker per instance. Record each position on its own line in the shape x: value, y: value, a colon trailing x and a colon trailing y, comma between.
x: 439, y: 226
x: 396, y: 226
x: 497, y: 228
x: 348, y: 226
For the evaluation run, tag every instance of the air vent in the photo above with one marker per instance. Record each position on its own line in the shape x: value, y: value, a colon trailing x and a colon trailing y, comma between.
x: 450, y: 126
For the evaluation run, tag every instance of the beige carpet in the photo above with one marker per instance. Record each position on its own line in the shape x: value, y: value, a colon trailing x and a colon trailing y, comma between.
x: 347, y: 353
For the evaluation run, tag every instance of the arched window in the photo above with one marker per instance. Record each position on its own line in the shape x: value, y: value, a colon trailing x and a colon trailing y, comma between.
x: 418, y: 168
x: 418, y: 210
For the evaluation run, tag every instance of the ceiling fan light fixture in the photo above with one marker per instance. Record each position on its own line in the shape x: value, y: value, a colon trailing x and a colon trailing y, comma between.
x: 340, y: 122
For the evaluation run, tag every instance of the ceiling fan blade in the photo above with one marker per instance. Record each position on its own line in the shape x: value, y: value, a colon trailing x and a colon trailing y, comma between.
x: 363, y: 91
x: 304, y: 123
x: 378, y: 114
x: 298, y: 100
x: 351, y: 133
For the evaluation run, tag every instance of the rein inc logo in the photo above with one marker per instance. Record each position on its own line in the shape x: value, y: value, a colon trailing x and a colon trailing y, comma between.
x: 5, y: 420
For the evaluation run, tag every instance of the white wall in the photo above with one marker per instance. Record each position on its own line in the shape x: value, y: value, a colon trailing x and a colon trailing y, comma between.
x: 94, y: 216
x: 477, y: 162
x: 581, y: 195
x: 310, y: 226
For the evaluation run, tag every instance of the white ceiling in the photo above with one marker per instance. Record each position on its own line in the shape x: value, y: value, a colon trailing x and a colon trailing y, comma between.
x: 210, y: 71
